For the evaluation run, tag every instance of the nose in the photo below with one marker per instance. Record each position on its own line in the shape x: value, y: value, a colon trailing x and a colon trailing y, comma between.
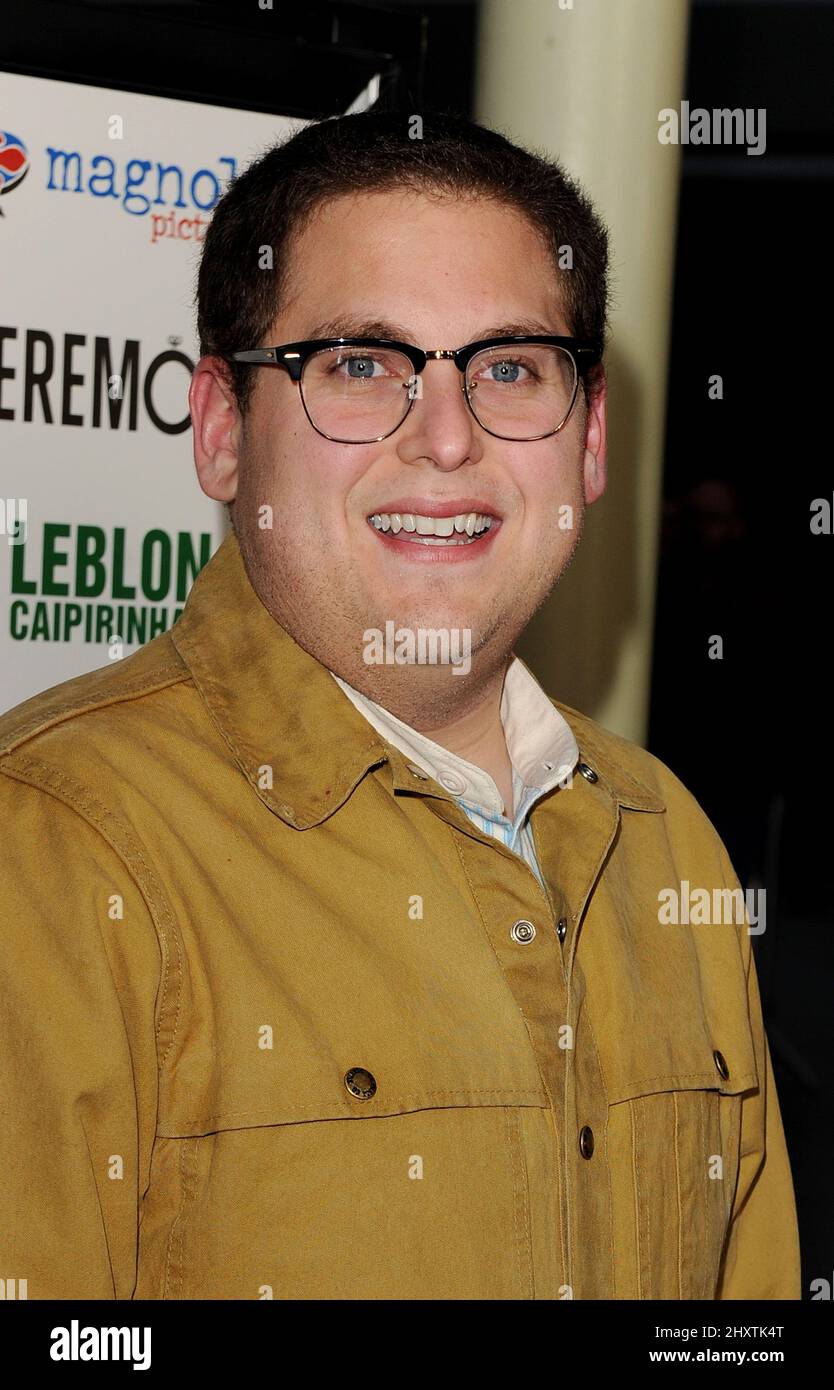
x: 440, y: 426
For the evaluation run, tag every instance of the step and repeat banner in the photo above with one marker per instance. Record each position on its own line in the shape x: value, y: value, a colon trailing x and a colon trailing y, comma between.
x: 105, y: 197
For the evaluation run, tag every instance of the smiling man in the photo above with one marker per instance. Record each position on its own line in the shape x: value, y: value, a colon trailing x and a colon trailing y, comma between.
x: 337, y: 971
x: 434, y: 518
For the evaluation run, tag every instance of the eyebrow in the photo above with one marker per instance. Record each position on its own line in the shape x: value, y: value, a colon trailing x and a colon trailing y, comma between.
x: 353, y: 326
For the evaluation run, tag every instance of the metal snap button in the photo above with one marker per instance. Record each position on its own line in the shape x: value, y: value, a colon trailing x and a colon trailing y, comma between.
x: 522, y: 931
x: 586, y: 1141
x: 723, y: 1069
x: 360, y: 1083
x: 587, y: 772
x: 561, y: 928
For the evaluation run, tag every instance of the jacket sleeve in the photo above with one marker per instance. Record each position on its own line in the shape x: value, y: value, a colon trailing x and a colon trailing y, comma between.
x: 761, y: 1255
x: 79, y: 971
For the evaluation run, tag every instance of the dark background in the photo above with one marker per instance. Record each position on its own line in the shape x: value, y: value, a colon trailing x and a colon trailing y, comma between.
x: 747, y: 734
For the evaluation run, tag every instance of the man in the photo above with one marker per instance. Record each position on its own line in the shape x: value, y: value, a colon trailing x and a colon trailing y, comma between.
x: 336, y: 965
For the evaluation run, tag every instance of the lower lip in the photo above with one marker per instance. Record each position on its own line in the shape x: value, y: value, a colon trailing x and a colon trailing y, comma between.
x: 421, y: 554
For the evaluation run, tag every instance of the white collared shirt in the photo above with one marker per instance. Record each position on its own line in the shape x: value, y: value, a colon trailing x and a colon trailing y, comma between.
x: 541, y: 745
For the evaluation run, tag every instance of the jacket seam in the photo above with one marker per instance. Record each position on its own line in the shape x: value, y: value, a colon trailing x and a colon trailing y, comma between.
x: 641, y: 1206
x: 608, y: 1188
x: 176, y: 1234
x: 54, y: 715
x: 534, y: 1099
x: 104, y: 1231
x: 636, y: 1197
x: 683, y: 1076
x: 521, y: 1205
x: 678, y: 1196
x: 79, y: 798
x: 705, y: 1198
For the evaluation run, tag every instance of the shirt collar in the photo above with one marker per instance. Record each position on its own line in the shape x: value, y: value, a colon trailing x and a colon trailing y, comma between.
x: 301, y: 744
x: 541, y: 744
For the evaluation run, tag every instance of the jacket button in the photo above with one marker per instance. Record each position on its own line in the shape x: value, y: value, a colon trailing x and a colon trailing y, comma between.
x: 587, y: 772
x: 586, y: 1141
x: 522, y: 931
x: 360, y: 1083
x: 561, y: 928
x: 452, y: 782
x: 418, y: 772
x: 723, y: 1069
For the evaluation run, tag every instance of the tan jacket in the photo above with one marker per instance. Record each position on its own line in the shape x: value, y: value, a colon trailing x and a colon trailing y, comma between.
x: 270, y: 1028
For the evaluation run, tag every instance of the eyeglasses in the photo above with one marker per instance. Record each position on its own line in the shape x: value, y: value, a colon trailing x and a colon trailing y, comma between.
x: 360, y: 390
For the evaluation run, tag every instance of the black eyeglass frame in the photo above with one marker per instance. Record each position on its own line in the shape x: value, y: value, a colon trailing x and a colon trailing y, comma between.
x: 585, y: 352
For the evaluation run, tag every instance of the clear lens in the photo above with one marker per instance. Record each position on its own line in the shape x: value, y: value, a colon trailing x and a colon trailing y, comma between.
x: 355, y: 394
x: 522, y: 390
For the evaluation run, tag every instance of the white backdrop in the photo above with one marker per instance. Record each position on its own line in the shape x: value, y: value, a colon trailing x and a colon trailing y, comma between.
x: 104, y: 196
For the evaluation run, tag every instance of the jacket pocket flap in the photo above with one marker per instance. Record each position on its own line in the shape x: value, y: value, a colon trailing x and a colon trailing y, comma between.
x: 679, y: 1021
x: 332, y: 1101
x: 688, y: 1068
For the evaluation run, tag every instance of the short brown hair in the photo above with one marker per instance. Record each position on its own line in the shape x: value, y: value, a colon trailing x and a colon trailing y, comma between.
x: 374, y: 151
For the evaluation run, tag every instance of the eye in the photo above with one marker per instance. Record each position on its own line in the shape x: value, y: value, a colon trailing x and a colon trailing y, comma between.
x: 365, y: 364
x: 361, y: 367
x: 506, y: 371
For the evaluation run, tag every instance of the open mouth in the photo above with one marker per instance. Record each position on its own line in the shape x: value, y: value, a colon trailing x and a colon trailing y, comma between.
x: 464, y: 528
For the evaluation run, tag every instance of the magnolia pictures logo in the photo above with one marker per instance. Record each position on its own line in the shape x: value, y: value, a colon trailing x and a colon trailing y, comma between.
x: 14, y: 164
x: 158, y: 191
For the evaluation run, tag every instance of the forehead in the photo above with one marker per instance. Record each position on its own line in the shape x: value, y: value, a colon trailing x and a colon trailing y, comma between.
x: 422, y: 260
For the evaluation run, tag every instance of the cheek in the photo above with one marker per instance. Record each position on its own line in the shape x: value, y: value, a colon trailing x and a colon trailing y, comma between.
x: 307, y: 488
x: 550, y: 485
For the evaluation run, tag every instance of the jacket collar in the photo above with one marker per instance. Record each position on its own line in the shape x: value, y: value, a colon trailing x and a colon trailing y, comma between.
x: 540, y: 742
x: 297, y: 738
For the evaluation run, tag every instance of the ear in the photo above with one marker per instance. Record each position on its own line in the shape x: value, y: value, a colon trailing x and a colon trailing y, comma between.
x: 594, y: 464
x: 217, y: 427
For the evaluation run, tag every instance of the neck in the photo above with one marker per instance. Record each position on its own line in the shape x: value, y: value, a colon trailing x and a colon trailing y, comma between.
x: 474, y: 733
x: 475, y: 730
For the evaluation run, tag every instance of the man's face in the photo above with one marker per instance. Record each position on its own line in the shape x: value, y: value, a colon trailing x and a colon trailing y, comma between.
x: 437, y: 273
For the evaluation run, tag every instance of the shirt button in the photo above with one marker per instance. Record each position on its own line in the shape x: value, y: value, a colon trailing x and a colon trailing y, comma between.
x: 723, y: 1069
x: 522, y: 931
x: 587, y: 772
x: 360, y: 1083
x: 452, y: 782
x: 561, y: 928
x: 586, y: 1141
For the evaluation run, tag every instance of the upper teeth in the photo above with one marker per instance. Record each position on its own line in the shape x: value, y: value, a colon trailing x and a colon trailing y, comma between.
x: 470, y: 522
